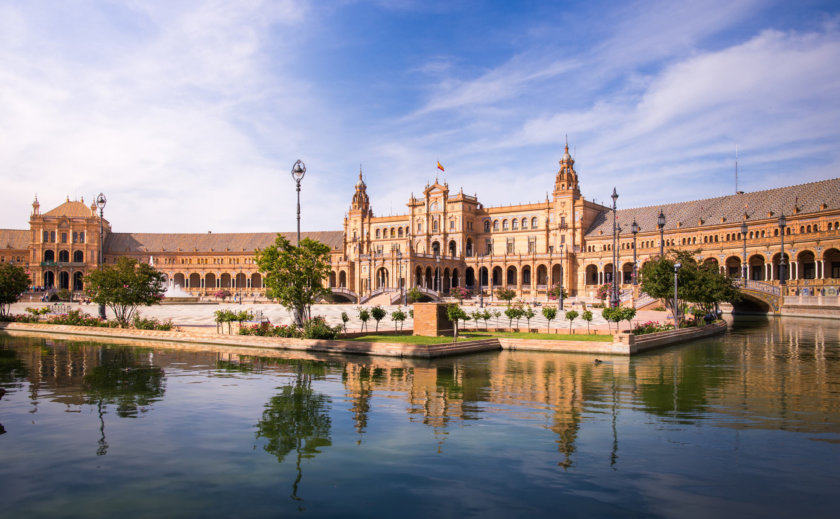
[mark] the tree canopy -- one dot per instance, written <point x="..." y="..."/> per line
<point x="124" y="286"/>
<point x="702" y="284"/>
<point x="294" y="274"/>
<point x="13" y="282"/>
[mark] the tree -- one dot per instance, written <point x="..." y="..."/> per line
<point x="497" y="314"/>
<point x="700" y="284"/>
<point x="550" y="313"/>
<point x="378" y="314"/>
<point x="607" y="313"/>
<point x="460" y="294"/>
<point x="414" y="295"/>
<point x="627" y="314"/>
<point x="554" y="292"/>
<point x="124" y="286"/>
<point x="571" y="315"/>
<point x="344" y="320"/>
<point x="505" y="295"/>
<point x="510" y="313"/>
<point x="398" y="316"/>
<point x="13" y="282"/>
<point x="455" y="313"/>
<point x="364" y="315"/>
<point x="294" y="273"/>
<point x="587" y="316"/>
<point x="529" y="314"/>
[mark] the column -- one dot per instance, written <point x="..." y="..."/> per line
<point x="821" y="264"/>
<point x="768" y="275"/>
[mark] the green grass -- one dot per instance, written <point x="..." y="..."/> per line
<point x="473" y="335"/>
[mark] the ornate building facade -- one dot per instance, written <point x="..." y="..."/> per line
<point x="450" y="239"/>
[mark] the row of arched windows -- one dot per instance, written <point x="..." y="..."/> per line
<point x="512" y="224"/>
<point x="64" y="256"/>
<point x="394" y="232"/>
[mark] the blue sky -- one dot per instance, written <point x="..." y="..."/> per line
<point x="189" y="115"/>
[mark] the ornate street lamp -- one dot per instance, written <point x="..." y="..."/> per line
<point x="560" y="296"/>
<point x="660" y="222"/>
<point x="614" y="292"/>
<point x="744" y="267"/>
<point x="100" y="203"/>
<point x="298" y="171"/>
<point x="635" y="230"/>
<point x="676" y="300"/>
<point x="782" y="266"/>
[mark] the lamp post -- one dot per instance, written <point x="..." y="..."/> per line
<point x="782" y="265"/>
<point x="676" y="301"/>
<point x="298" y="171"/>
<point x="560" y="295"/>
<point x="744" y="267"/>
<point x="100" y="203"/>
<point x="635" y="230"/>
<point x="614" y="291"/>
<point x="660" y="222"/>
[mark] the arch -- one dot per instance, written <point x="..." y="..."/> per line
<point x="256" y="280"/>
<point x="64" y="257"/>
<point x="505" y="225"/>
<point x="49" y="255"/>
<point x="514" y="224"/>
<point x="382" y="278"/>
<point x="63" y="280"/>
<point x="224" y="281"/>
<point x="510" y="276"/>
<point x="486" y="225"/>
<point x="831" y="263"/>
<point x="495" y="225"/>
<point x="399" y="232"/>
<point x="469" y="247"/>
<point x="434" y="225"/>
<point x="534" y="223"/>
<point x="497" y="276"/>
<point x="757" y="267"/>
<point x="483" y="277"/>
<point x="556" y="274"/>
<point x="733" y="267"/>
<point x="436" y="248"/>
<point x="524" y="223"/>
<point x="453" y="248"/>
<point x="194" y="280"/>
<point x="332" y="280"/>
<point x="78" y="257"/>
<point x="342" y="279"/>
<point x="469" y="277"/>
<point x="209" y="281"/>
<point x="393" y="232"/>
<point x="608" y="273"/>
<point x="240" y="280"/>
<point x="78" y="283"/>
<point x="418" y="276"/>
<point x="446" y="281"/>
<point x="627" y="273"/>
<point x="542" y="275"/>
<point x="806" y="265"/>
<point x="428" y="278"/>
<point x="776" y="271"/>
<point x="180" y="281"/>
<point x="49" y="279"/>
<point x="526" y="275"/>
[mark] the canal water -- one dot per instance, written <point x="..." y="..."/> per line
<point x="745" y="425"/>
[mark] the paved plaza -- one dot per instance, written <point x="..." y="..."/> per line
<point x="202" y="315"/>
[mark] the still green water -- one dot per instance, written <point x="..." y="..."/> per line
<point x="746" y="425"/>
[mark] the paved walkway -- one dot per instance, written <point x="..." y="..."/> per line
<point x="202" y="315"/>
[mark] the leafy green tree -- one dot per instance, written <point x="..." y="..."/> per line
<point x="505" y="295"/>
<point x="485" y="316"/>
<point x="607" y="314"/>
<point x="364" y="316"/>
<point x="627" y="314"/>
<point x="455" y="313"/>
<point x="529" y="314"/>
<point x="550" y="313"/>
<point x="344" y="320"/>
<point x="294" y="274"/>
<point x="497" y="314"/>
<point x="414" y="295"/>
<point x="378" y="313"/>
<point x="510" y="313"/>
<point x="398" y="316"/>
<point x="13" y="282"/>
<point x="124" y="286"/>
<point x="571" y="315"/>
<point x="477" y="315"/>
<point x="587" y="316"/>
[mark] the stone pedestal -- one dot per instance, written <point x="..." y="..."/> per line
<point x="430" y="320"/>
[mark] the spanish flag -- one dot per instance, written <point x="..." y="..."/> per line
<point x="440" y="167"/>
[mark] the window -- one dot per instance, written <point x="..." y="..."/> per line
<point x="486" y="225"/>
<point x="534" y="223"/>
<point x="562" y="221"/>
<point x="419" y="226"/>
<point x="400" y="232"/>
<point x="377" y="233"/>
<point x="64" y="237"/>
<point x="82" y="237"/>
<point x="495" y="225"/>
<point x="515" y="224"/>
<point x="46" y="237"/>
<point x="524" y="223"/>
<point x="511" y="245"/>
<point x="52" y="236"/>
<point x="505" y="225"/>
<point x="75" y="237"/>
<point x="451" y="224"/>
<point x="434" y="226"/>
<point x="489" y="244"/>
<point x="532" y="245"/>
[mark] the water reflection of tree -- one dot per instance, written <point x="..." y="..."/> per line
<point x="121" y="379"/>
<point x="297" y="419"/>
<point x="12" y="372"/>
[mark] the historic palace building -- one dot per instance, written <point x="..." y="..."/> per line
<point x="447" y="240"/>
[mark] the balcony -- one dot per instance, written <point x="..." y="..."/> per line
<point x="63" y="264"/>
